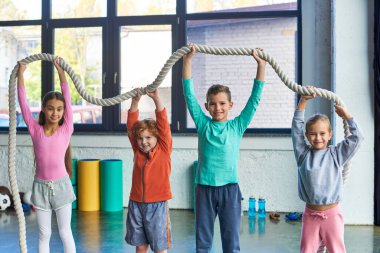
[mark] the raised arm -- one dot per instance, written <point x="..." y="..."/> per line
<point x="298" y="128"/>
<point x="26" y="114"/>
<point x="135" y="102"/>
<point x="68" y="116"/>
<point x="342" y="112"/>
<point x="347" y="148"/>
<point x="162" y="121"/>
<point x="156" y="99"/>
<point x="249" y="109"/>
<point x="303" y="101"/>
<point x="133" y="117"/>
<point x="61" y="72"/>
<point x="20" y="74"/>
<point x="261" y="63"/>
<point x="187" y="61"/>
<point x="188" y="89"/>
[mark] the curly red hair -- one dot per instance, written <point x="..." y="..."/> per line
<point x="142" y="125"/>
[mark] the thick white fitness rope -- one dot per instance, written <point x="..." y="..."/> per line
<point x="122" y="97"/>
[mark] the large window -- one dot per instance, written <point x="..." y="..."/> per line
<point x="78" y="8"/>
<point x="115" y="46"/>
<point x="16" y="43"/>
<point x="140" y="67"/>
<point x="144" y="8"/>
<point x="196" y="6"/>
<point x="20" y="9"/>
<point x="276" y="36"/>
<point x="86" y="61"/>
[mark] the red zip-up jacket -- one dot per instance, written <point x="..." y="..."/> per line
<point x="151" y="171"/>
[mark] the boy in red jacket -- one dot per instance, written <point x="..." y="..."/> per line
<point x="148" y="222"/>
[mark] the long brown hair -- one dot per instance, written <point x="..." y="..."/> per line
<point x="42" y="120"/>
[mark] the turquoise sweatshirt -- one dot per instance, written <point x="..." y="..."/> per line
<point x="219" y="142"/>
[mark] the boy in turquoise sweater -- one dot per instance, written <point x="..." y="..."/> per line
<point x="219" y="140"/>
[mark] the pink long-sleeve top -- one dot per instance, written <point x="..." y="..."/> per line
<point x="49" y="151"/>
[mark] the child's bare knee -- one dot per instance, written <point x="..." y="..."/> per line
<point x="142" y="248"/>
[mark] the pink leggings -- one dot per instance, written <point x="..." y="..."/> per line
<point x="326" y="226"/>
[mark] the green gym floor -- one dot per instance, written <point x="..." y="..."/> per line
<point x="101" y="232"/>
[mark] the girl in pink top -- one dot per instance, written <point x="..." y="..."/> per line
<point x="51" y="135"/>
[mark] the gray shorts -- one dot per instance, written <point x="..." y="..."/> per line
<point x="52" y="195"/>
<point x="149" y="223"/>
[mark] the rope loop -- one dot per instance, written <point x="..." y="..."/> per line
<point x="302" y="90"/>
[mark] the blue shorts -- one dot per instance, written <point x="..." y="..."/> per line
<point x="149" y="223"/>
<point x="52" y="195"/>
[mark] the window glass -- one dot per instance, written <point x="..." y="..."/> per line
<point x="87" y="116"/>
<point x="276" y="36"/>
<point x="20" y="9"/>
<point x="79" y="8"/>
<point x="16" y="43"/>
<point x="144" y="51"/>
<point x="4" y="120"/>
<point x="77" y="118"/>
<point x="144" y="46"/>
<point x="81" y="48"/>
<point x="194" y="6"/>
<point x="98" y="115"/>
<point x="138" y="7"/>
<point x="20" y="119"/>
